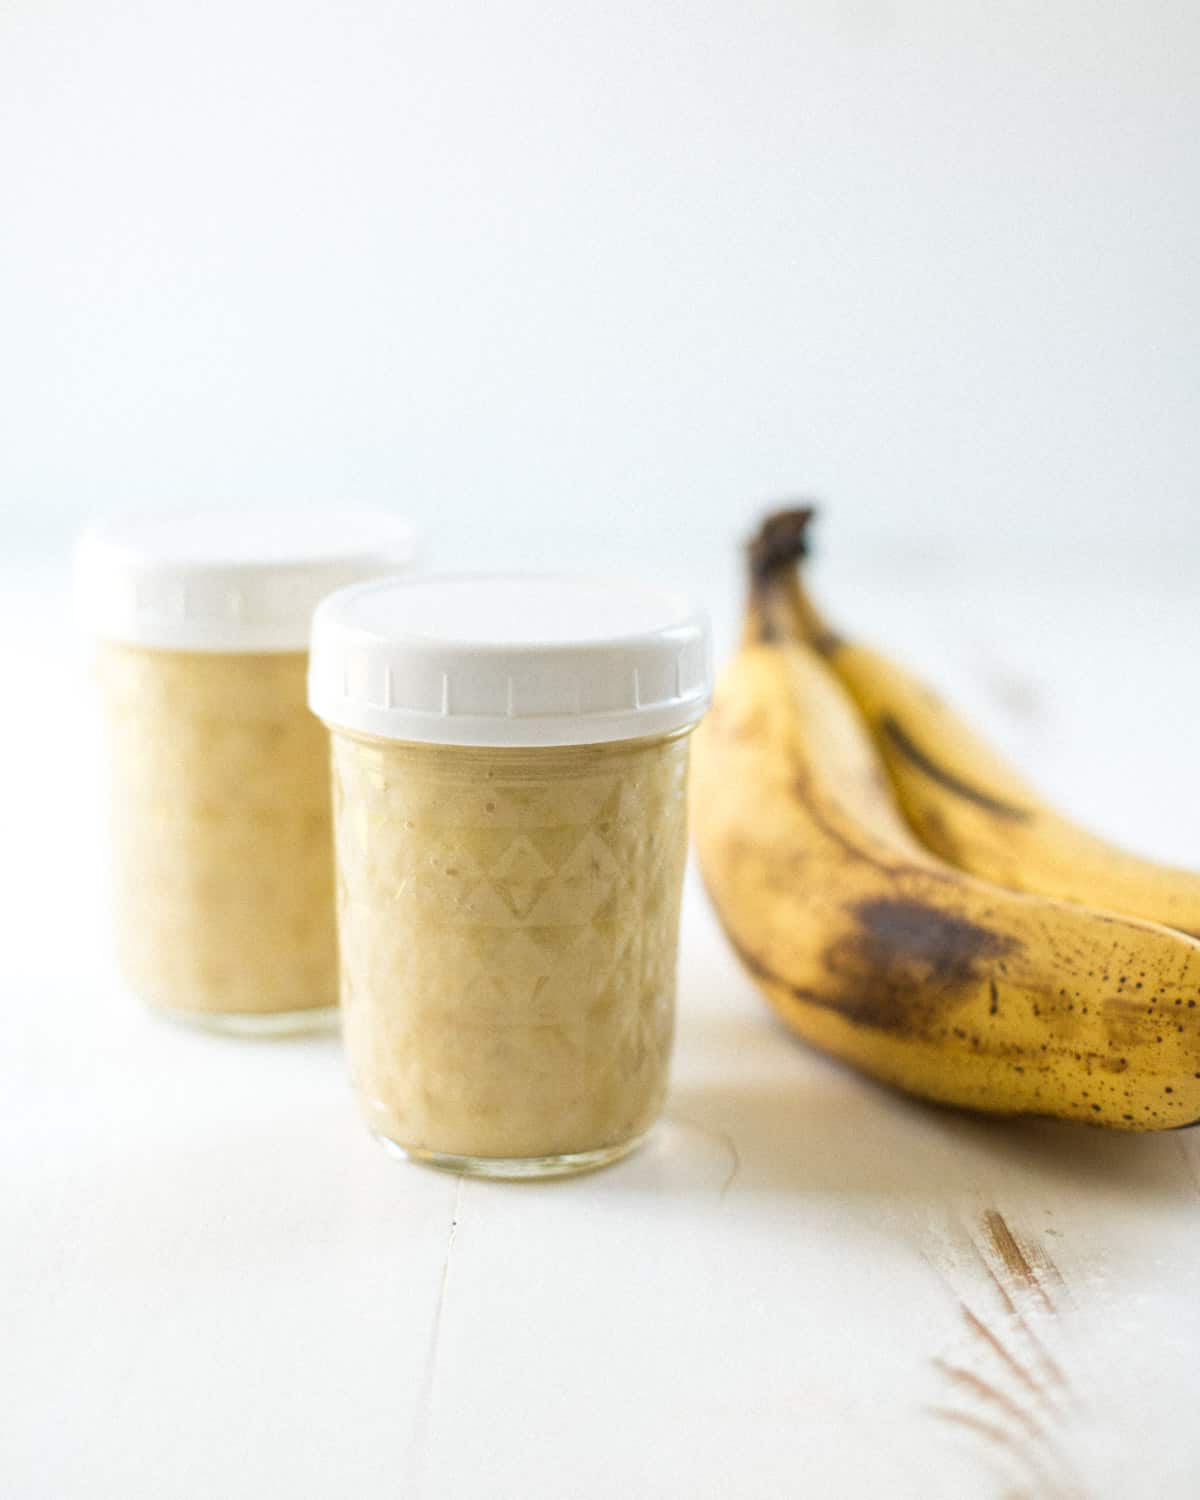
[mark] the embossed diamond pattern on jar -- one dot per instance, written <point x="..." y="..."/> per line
<point x="546" y="900"/>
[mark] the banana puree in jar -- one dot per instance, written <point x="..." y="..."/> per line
<point x="223" y="890"/>
<point x="509" y="771"/>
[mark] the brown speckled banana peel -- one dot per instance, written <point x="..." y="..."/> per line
<point x="921" y="975"/>
<point x="964" y="802"/>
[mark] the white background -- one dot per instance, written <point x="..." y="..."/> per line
<point x="610" y="275"/>
<point x="595" y="282"/>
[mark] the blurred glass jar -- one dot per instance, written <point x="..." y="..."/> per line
<point x="509" y="768"/>
<point x="220" y="810"/>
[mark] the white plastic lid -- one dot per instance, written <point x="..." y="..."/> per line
<point x="228" y="580"/>
<point x="516" y="659"/>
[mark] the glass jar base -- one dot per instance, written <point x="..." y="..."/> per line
<point x="516" y="1168"/>
<point x="278" y="1023"/>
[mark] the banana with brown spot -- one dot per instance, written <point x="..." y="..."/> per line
<point x="870" y="947"/>
<point x="963" y="801"/>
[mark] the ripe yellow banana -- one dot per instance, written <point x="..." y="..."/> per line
<point x="966" y="804"/>
<point x="873" y="949"/>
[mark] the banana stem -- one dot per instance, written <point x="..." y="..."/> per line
<point x="779" y="606"/>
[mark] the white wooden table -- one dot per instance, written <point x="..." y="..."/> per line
<point x="215" y="1284"/>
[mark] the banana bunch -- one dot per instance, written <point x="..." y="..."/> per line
<point x="908" y="905"/>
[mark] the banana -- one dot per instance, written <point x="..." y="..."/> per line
<point x="873" y="949"/>
<point x="966" y="804"/>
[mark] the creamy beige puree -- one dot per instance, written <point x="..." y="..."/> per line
<point x="223" y="883"/>
<point x="223" y="875"/>
<point x="509" y="923"/>
<point x="509" y="772"/>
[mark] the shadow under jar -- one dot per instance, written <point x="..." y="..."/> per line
<point x="509" y="771"/>
<point x="223" y="889"/>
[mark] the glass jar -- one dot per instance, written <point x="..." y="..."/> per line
<point x="509" y="772"/>
<point x="223" y="889"/>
